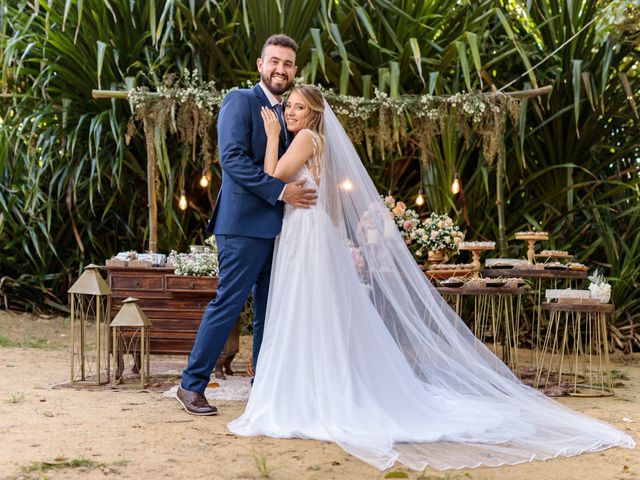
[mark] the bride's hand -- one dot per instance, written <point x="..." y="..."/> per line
<point x="271" y="124"/>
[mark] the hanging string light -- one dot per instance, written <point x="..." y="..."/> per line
<point x="204" y="181"/>
<point x="420" y="197"/>
<point x="455" y="186"/>
<point x="393" y="161"/>
<point x="206" y="171"/>
<point x="182" y="203"/>
<point x="347" y="185"/>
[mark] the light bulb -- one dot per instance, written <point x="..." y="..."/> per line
<point x="420" y="199"/>
<point x="347" y="185"/>
<point x="455" y="186"/>
<point x="183" y="202"/>
<point x="204" y="181"/>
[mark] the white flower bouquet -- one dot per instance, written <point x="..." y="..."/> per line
<point x="201" y="264"/>
<point x="437" y="232"/>
<point x="599" y="287"/>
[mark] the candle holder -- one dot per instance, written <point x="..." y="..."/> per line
<point x="131" y="339"/>
<point x="90" y="299"/>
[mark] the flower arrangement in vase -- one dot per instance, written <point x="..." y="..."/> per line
<point x="406" y="219"/>
<point x="599" y="287"/>
<point x="198" y="262"/>
<point x="438" y="234"/>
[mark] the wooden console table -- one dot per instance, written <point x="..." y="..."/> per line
<point x="174" y="304"/>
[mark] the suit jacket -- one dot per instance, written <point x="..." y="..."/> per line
<point x="247" y="204"/>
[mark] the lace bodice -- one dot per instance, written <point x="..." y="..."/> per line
<point x="292" y="229"/>
<point x="311" y="168"/>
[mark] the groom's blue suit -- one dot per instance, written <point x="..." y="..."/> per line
<point x="246" y="219"/>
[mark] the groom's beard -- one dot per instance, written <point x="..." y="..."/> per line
<point x="276" y="90"/>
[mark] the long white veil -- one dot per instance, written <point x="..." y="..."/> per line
<point x="441" y="351"/>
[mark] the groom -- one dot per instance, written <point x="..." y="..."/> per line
<point x="247" y="216"/>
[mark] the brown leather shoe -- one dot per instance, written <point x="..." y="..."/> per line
<point x="195" y="403"/>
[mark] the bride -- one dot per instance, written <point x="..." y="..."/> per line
<point x="360" y="349"/>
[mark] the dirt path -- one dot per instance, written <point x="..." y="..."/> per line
<point x="129" y="434"/>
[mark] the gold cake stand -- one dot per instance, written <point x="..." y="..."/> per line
<point x="531" y="238"/>
<point x="476" y="251"/>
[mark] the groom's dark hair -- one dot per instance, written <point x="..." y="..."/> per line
<point x="281" y="40"/>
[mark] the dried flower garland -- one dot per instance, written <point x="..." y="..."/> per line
<point x="189" y="107"/>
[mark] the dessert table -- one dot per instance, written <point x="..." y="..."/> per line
<point x="542" y="278"/>
<point x="576" y="347"/>
<point x="496" y="317"/>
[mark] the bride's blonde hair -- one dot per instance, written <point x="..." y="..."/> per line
<point x="313" y="96"/>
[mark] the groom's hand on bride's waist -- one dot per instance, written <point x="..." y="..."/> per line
<point x="296" y="195"/>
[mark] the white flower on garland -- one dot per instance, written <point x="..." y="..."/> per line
<point x="599" y="287"/>
<point x="614" y="16"/>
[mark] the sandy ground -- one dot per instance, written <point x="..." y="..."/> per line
<point x="133" y="434"/>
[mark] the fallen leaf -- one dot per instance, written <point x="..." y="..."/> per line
<point x="396" y="475"/>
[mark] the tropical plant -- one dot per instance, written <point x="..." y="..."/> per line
<point x="72" y="191"/>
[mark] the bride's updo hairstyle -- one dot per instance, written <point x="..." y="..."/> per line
<point x="313" y="96"/>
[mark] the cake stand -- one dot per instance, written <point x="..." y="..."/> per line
<point x="476" y="248"/>
<point x="531" y="239"/>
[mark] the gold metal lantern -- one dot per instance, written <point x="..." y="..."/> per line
<point x="90" y="299"/>
<point x="130" y="330"/>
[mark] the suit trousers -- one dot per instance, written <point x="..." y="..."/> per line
<point x="244" y="267"/>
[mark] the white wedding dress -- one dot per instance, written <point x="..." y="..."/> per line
<point x="373" y="358"/>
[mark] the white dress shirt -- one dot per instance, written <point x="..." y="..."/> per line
<point x="273" y="101"/>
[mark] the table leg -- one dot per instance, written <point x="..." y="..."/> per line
<point x="583" y="350"/>
<point x="494" y="311"/>
<point x="602" y="323"/>
<point x="597" y="371"/>
<point x="563" y="348"/>
<point x="536" y="331"/>
<point x="510" y="342"/>
<point x="550" y="346"/>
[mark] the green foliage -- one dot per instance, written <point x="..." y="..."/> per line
<point x="261" y="464"/>
<point x="397" y="475"/>
<point x="73" y="192"/>
<point x="17" y="397"/>
<point x="61" y="463"/>
<point x="7" y="342"/>
<point x="32" y="343"/>
<point x="79" y="467"/>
